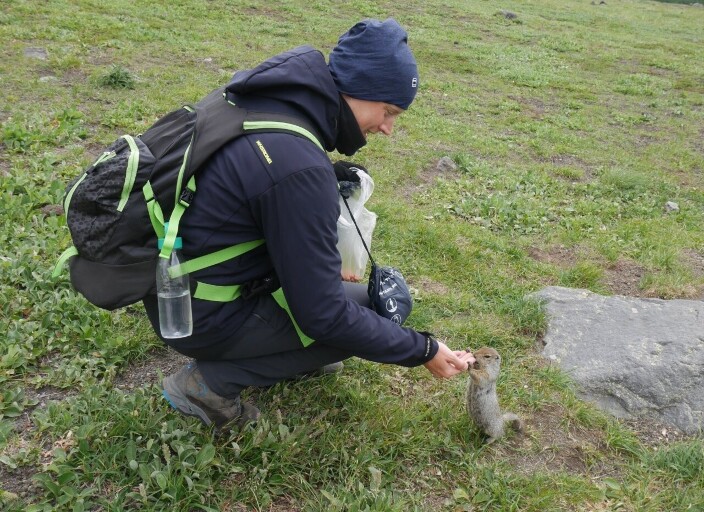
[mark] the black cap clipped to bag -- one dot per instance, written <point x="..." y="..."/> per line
<point x="389" y="294"/>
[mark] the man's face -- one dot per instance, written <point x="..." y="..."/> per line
<point x="374" y="116"/>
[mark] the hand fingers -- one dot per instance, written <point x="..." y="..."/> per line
<point x="448" y="363"/>
<point x="468" y="357"/>
<point x="458" y="363"/>
<point x="453" y="367"/>
<point x="445" y="371"/>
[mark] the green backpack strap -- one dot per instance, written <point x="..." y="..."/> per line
<point x="155" y="214"/>
<point x="65" y="256"/>
<point x="228" y="293"/>
<point x="274" y="126"/>
<point x="214" y="258"/>
<point x="179" y="209"/>
<point x="216" y="293"/>
<point x="281" y="301"/>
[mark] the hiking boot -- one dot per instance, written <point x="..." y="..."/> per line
<point x="187" y="392"/>
<point x="328" y="369"/>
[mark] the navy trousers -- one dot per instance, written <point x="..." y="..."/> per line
<point x="264" y="351"/>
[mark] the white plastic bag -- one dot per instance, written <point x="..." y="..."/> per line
<point x="354" y="256"/>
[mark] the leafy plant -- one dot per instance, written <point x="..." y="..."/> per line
<point x="118" y="78"/>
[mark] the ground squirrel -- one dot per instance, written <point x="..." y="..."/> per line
<point x="482" y="402"/>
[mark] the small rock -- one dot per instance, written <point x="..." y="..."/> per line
<point x="52" y="210"/>
<point x="445" y="164"/>
<point x="671" y="206"/>
<point x="509" y="15"/>
<point x="48" y="78"/>
<point x="208" y="60"/>
<point x="35" y="53"/>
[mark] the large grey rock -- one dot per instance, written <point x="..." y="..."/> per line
<point x="632" y="357"/>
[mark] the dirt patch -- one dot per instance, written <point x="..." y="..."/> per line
<point x="5" y="169"/>
<point x="149" y="372"/>
<point x="553" y="444"/>
<point x="427" y="177"/>
<point x="434" y="502"/>
<point x="654" y="434"/>
<point x="558" y="255"/>
<point x="622" y="277"/>
<point x="162" y="363"/>
<point x="46" y="394"/>
<point x="18" y="481"/>
<point x="643" y="141"/>
<point x="264" y="11"/>
<point x="427" y="285"/>
<point x="561" y="161"/>
<point x="70" y="77"/>
<point x="695" y="260"/>
<point x="534" y="107"/>
<point x="278" y="504"/>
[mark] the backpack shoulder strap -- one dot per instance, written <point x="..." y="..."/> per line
<point x="219" y="120"/>
<point x="264" y="122"/>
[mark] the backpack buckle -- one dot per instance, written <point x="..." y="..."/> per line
<point x="186" y="197"/>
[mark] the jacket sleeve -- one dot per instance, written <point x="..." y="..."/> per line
<point x="298" y="216"/>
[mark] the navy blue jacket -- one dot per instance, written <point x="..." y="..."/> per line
<point x="282" y="188"/>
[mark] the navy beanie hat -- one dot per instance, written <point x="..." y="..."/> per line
<point x="372" y="61"/>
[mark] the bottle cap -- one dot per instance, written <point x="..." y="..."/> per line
<point x="178" y="243"/>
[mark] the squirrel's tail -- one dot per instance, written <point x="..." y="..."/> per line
<point x="513" y="420"/>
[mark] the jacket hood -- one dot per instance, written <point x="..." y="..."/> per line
<point x="295" y="82"/>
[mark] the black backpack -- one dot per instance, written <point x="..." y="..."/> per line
<point x="118" y="207"/>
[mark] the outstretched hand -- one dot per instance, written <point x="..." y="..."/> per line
<point x="448" y="363"/>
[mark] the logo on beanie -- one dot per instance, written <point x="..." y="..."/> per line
<point x="414" y="83"/>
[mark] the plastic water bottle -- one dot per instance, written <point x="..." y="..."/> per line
<point x="174" y="296"/>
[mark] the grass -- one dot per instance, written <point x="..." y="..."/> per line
<point x="571" y="125"/>
<point x="118" y="77"/>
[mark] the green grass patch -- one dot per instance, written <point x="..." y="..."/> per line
<point x="118" y="78"/>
